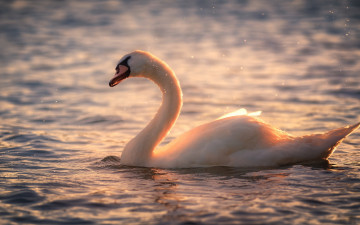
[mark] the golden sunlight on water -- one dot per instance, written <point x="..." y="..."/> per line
<point x="63" y="130"/>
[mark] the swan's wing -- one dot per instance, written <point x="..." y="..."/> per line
<point x="214" y="143"/>
<point x="257" y="113"/>
<point x="240" y="112"/>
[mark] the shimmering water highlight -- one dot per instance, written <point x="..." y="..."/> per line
<point x="296" y="61"/>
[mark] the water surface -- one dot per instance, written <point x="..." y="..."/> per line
<point x="296" y="61"/>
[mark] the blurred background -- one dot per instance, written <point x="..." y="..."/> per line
<point x="296" y="61"/>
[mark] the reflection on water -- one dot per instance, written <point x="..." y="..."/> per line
<point x="296" y="61"/>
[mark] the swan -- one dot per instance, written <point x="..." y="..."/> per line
<point x="239" y="140"/>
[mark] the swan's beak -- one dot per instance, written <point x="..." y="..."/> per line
<point x="122" y="72"/>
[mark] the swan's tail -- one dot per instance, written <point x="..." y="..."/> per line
<point x="326" y="143"/>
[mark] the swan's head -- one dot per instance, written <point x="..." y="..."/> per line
<point x="134" y="64"/>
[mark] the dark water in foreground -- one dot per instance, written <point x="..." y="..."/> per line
<point x="296" y="61"/>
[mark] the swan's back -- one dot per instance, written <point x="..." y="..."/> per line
<point x="245" y="141"/>
<point x="215" y="143"/>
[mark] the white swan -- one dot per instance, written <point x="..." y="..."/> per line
<point x="239" y="141"/>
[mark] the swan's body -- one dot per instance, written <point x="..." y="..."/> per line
<point x="241" y="141"/>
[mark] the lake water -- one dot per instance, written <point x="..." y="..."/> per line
<point x="296" y="61"/>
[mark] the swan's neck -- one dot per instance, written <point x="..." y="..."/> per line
<point x="139" y="150"/>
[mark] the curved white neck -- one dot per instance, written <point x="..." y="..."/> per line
<point x="139" y="150"/>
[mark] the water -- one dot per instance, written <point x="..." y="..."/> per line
<point x="296" y="61"/>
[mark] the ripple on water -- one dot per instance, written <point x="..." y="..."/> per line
<point x="297" y="61"/>
<point x="100" y="120"/>
<point x="30" y="138"/>
<point x="20" y="197"/>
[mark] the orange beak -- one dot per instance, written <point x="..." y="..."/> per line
<point x="122" y="72"/>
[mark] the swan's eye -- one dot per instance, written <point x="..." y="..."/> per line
<point x="123" y="63"/>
